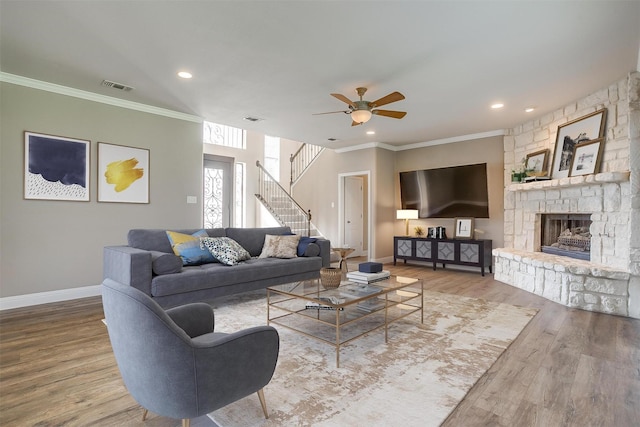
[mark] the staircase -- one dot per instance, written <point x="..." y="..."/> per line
<point x="301" y="160"/>
<point x="279" y="202"/>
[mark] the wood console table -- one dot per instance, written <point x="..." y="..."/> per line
<point x="474" y="253"/>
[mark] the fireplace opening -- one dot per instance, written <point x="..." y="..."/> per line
<point x="566" y="235"/>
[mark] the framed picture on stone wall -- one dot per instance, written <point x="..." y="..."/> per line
<point x="537" y="162"/>
<point x="586" y="128"/>
<point x="586" y="157"/>
<point x="56" y="167"/>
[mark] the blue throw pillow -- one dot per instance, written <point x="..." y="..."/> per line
<point x="188" y="247"/>
<point x="303" y="243"/>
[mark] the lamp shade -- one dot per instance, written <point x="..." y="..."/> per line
<point x="407" y="214"/>
<point x="361" y="116"/>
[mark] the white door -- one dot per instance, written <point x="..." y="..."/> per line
<point x="218" y="188"/>
<point x="353" y="214"/>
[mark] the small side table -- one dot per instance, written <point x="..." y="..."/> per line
<point x="344" y="253"/>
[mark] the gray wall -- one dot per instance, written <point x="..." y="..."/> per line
<point x="55" y="245"/>
<point x="318" y="191"/>
<point x="486" y="150"/>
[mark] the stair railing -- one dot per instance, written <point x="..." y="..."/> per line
<point x="280" y="203"/>
<point x="301" y="159"/>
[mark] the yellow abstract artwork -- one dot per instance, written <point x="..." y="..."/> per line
<point x="123" y="173"/>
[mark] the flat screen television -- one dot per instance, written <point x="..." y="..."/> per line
<point x="458" y="191"/>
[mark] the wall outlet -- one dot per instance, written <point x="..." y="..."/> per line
<point x="192" y="199"/>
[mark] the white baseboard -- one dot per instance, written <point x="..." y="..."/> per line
<point x="18" y="301"/>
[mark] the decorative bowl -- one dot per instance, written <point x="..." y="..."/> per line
<point x="330" y="277"/>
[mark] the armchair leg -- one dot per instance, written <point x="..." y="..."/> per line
<point x="144" y="414"/>
<point x="186" y="422"/>
<point x="263" y="403"/>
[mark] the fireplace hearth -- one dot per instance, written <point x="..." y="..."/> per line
<point x="567" y="235"/>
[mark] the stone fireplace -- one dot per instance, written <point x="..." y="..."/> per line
<point x="566" y="235"/>
<point x="608" y="280"/>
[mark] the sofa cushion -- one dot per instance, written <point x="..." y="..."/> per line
<point x="252" y="239"/>
<point x="187" y="247"/>
<point x="155" y="239"/>
<point x="283" y="246"/>
<point x="207" y="276"/>
<point x="225" y="250"/>
<point x="163" y="263"/>
<point x="312" y="250"/>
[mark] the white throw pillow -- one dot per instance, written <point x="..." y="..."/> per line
<point x="280" y="246"/>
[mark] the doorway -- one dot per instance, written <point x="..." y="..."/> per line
<point x="218" y="190"/>
<point x="354" y="212"/>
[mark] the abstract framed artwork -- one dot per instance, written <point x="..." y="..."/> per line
<point x="586" y="157"/>
<point x="464" y="228"/>
<point x="56" y="167"/>
<point x="123" y="174"/>
<point x="572" y="133"/>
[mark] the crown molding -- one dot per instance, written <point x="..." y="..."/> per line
<point x="451" y="140"/>
<point x="90" y="96"/>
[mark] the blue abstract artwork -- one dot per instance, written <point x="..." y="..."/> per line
<point x="56" y="168"/>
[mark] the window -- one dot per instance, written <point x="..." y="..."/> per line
<point x="226" y="136"/>
<point x="272" y="156"/>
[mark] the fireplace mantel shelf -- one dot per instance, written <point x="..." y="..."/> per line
<point x="574" y="181"/>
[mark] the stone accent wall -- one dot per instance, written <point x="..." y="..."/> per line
<point x="612" y="197"/>
<point x="567" y="281"/>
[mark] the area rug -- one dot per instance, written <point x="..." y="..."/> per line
<point x="416" y="379"/>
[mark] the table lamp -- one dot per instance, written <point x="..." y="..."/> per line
<point x="407" y="214"/>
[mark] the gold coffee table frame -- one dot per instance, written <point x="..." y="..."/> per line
<point x="356" y="313"/>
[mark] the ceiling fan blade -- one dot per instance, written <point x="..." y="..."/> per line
<point x="343" y="99"/>
<point x="332" y="112"/>
<point x="392" y="97"/>
<point x="390" y="113"/>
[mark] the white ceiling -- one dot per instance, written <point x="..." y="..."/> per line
<point x="280" y="60"/>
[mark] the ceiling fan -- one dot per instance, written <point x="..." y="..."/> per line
<point x="361" y="111"/>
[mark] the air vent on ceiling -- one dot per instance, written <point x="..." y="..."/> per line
<point x="115" y="85"/>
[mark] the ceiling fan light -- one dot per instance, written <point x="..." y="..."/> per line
<point x="361" y="116"/>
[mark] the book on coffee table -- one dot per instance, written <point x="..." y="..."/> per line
<point x="360" y="277"/>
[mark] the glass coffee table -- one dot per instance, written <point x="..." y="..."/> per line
<point x="341" y="315"/>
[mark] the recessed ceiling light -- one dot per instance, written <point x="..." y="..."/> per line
<point x="252" y="119"/>
<point x="185" y="74"/>
<point x="528" y="110"/>
<point x="498" y="105"/>
<point x="371" y="132"/>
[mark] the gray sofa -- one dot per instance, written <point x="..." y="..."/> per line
<point x="143" y="262"/>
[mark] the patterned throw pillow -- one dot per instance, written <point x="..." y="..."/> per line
<point x="285" y="246"/>
<point x="188" y="247"/>
<point x="225" y="249"/>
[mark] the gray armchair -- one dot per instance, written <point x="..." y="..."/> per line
<point x="172" y="362"/>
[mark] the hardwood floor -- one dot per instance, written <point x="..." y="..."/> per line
<point x="567" y="368"/>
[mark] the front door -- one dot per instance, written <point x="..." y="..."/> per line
<point x="218" y="188"/>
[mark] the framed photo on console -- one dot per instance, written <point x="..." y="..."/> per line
<point x="463" y="228"/>
<point x="570" y="134"/>
<point x="586" y="157"/>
